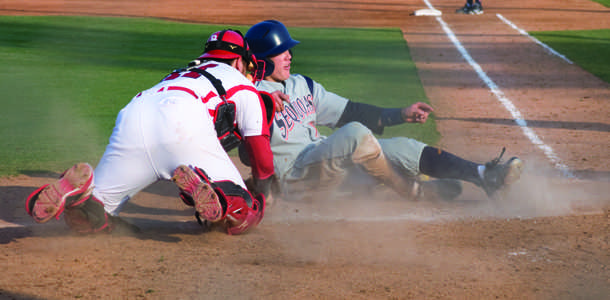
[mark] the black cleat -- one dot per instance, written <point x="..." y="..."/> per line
<point x="497" y="176"/>
<point x="474" y="9"/>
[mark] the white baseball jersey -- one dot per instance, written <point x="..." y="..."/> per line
<point x="172" y="124"/>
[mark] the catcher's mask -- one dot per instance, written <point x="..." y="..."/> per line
<point x="267" y="39"/>
<point x="231" y="44"/>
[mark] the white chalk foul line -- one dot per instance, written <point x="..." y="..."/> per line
<point x="361" y="219"/>
<point x="517" y="117"/>
<point x="5" y="224"/>
<point x="523" y="32"/>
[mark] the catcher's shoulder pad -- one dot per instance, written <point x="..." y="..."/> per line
<point x="269" y="107"/>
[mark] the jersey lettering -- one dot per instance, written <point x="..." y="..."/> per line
<point x="281" y="125"/>
<point x="209" y="96"/>
<point x="171" y="76"/>
<point x="190" y="74"/>
<point x="291" y="113"/>
<point x="295" y="112"/>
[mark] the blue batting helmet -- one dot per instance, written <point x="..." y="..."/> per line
<point x="269" y="38"/>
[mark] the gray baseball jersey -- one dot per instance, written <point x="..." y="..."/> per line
<point x="295" y="127"/>
<point x="294" y="132"/>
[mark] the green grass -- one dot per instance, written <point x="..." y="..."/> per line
<point x="364" y="65"/>
<point x="64" y="79"/>
<point x="605" y="3"/>
<point x="590" y="49"/>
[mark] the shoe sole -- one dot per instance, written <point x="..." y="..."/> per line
<point x="50" y="200"/>
<point x="515" y="168"/>
<point x="207" y="203"/>
<point x="443" y="189"/>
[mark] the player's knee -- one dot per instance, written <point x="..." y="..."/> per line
<point x="357" y="130"/>
<point x="360" y="136"/>
<point x="367" y="147"/>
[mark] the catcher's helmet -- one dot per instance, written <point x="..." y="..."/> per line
<point x="230" y="44"/>
<point x="269" y="38"/>
<point x="226" y="44"/>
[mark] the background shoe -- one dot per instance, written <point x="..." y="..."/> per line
<point x="477" y="9"/>
<point x="464" y="10"/>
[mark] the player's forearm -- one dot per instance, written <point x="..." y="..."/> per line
<point x="366" y="114"/>
<point x="391" y="117"/>
<point x="371" y="116"/>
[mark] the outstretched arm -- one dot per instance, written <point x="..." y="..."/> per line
<point x="376" y="118"/>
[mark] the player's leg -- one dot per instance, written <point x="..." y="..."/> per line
<point x="221" y="202"/>
<point x="124" y="169"/>
<point x="325" y="165"/>
<point x="404" y="156"/>
<point x="491" y="176"/>
<point x="221" y="199"/>
<point x="89" y="216"/>
<point x="196" y="190"/>
<point x="71" y="194"/>
<point x="209" y="181"/>
<point x="121" y="173"/>
<point x="411" y="158"/>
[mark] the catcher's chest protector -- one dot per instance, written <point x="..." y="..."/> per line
<point x="224" y="123"/>
<point x="224" y="113"/>
<point x="224" y="117"/>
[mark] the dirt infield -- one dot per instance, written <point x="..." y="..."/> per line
<point x="549" y="238"/>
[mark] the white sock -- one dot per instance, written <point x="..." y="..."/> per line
<point x="481" y="170"/>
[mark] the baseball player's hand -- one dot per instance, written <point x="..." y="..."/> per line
<point x="278" y="99"/>
<point x="417" y="112"/>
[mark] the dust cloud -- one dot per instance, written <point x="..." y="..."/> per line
<point x="359" y="214"/>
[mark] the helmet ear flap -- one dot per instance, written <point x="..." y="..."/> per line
<point x="269" y="66"/>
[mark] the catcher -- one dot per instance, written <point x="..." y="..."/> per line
<point x="177" y="130"/>
<point x="305" y="161"/>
